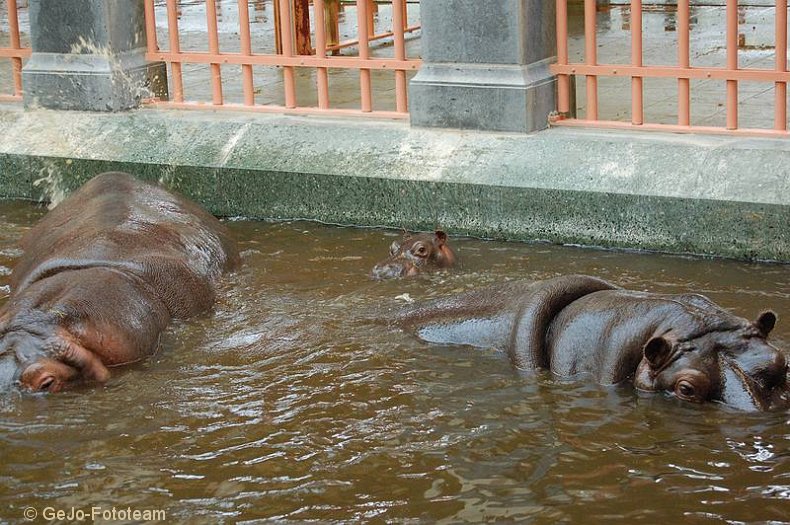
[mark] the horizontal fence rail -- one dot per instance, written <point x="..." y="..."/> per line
<point x="14" y="51"/>
<point x="306" y="43"/>
<point x="730" y="72"/>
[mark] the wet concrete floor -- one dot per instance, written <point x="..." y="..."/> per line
<point x="756" y="25"/>
<point x="287" y="403"/>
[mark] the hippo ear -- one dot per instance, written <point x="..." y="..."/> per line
<point x="657" y="351"/>
<point x="441" y="237"/>
<point x="765" y="322"/>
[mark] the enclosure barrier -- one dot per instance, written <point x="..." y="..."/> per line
<point x="15" y="52"/>
<point x="293" y="51"/>
<point x="683" y="72"/>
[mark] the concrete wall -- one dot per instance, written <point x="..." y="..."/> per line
<point x="673" y="193"/>
<point x="485" y="69"/>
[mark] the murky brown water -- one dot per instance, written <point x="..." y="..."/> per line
<point x="287" y="404"/>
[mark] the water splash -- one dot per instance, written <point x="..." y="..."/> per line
<point x="51" y="179"/>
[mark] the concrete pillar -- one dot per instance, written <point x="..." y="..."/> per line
<point x="485" y="65"/>
<point x="89" y="55"/>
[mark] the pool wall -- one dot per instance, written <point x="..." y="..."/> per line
<point x="705" y="195"/>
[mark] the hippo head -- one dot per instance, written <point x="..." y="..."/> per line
<point x="414" y="254"/>
<point x="735" y="366"/>
<point x="46" y="360"/>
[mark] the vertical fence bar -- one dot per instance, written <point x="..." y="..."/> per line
<point x="213" y="46"/>
<point x="175" y="48"/>
<point x="246" y="50"/>
<point x="591" y="58"/>
<point x="364" y="54"/>
<point x="732" y="63"/>
<point x="16" y="62"/>
<point x="332" y="25"/>
<point x="371" y="23"/>
<point x="563" y="81"/>
<point x="684" y="84"/>
<point x="286" y="30"/>
<point x="637" y="106"/>
<point x="150" y="26"/>
<point x="322" y="74"/>
<point x="398" y="23"/>
<point x="780" y="110"/>
<point x="278" y="35"/>
<point x="405" y="14"/>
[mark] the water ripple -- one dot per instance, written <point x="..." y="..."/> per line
<point x="293" y="401"/>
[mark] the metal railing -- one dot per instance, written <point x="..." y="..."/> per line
<point x="15" y="52"/>
<point x="294" y="51"/>
<point x="683" y="72"/>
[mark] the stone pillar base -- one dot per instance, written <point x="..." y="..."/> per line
<point x="491" y="97"/>
<point x="92" y="82"/>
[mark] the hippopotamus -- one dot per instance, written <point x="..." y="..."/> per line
<point x="101" y="276"/>
<point x="577" y="325"/>
<point x="414" y="254"/>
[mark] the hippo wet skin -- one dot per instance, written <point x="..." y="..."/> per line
<point x="101" y="276"/>
<point x="684" y="345"/>
<point x="415" y="254"/>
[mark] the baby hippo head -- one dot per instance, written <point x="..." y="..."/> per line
<point x="414" y="254"/>
<point x="46" y="362"/>
<point x="737" y="367"/>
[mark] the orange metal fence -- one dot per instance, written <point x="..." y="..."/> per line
<point x="730" y="73"/>
<point x="292" y="54"/>
<point x="15" y="52"/>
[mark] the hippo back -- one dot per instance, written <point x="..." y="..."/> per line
<point x="512" y="317"/>
<point x="117" y="221"/>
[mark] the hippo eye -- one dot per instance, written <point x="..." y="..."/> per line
<point x="685" y="390"/>
<point x="46" y="384"/>
<point x="421" y="250"/>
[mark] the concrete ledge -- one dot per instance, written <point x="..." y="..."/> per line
<point x="674" y="193"/>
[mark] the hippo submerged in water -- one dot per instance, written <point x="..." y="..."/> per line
<point x="102" y="275"/>
<point x="681" y="344"/>
<point x="414" y="254"/>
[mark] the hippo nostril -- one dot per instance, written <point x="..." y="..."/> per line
<point x="774" y="376"/>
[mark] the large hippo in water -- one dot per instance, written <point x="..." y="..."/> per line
<point x="415" y="254"/>
<point x="681" y="344"/>
<point x="102" y="275"/>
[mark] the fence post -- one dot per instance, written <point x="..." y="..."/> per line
<point x="90" y="55"/>
<point x="485" y="65"/>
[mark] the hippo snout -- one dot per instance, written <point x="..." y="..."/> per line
<point x="774" y="375"/>
<point x="8" y="372"/>
<point x="767" y="367"/>
<point x="756" y="380"/>
<point x="392" y="270"/>
<point x="778" y="383"/>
